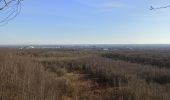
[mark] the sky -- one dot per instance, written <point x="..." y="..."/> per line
<point x="88" y="22"/>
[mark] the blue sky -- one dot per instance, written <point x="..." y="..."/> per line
<point x="89" y="22"/>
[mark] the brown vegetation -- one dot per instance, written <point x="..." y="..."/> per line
<point x="22" y="78"/>
<point x="124" y="80"/>
<point x="78" y="75"/>
<point x="155" y="58"/>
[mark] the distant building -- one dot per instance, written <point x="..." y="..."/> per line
<point x="27" y="47"/>
<point x="58" y="47"/>
<point x="105" y="49"/>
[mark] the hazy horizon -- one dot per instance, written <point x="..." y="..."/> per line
<point x="88" y="44"/>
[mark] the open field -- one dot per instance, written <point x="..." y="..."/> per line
<point x="56" y="74"/>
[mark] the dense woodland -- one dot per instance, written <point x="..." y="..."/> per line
<point x="155" y="58"/>
<point x="55" y="74"/>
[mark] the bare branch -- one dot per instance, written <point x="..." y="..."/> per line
<point x="9" y="9"/>
<point x="154" y="8"/>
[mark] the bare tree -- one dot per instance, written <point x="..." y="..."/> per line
<point x="162" y="7"/>
<point x="9" y="9"/>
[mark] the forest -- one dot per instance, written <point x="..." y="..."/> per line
<point x="67" y="74"/>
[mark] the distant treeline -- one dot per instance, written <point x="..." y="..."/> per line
<point x="145" y="59"/>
